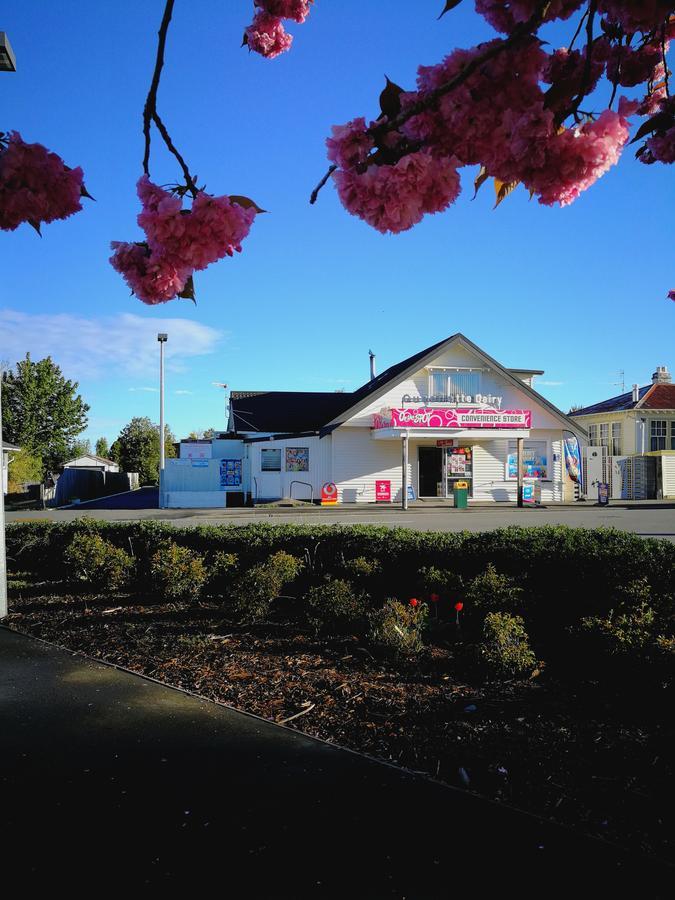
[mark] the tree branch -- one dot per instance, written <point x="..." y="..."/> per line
<point x="429" y="100"/>
<point x="150" y="113"/>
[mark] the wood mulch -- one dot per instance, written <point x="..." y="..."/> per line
<point x="576" y="754"/>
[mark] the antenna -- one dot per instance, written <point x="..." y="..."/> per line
<point x="622" y="381"/>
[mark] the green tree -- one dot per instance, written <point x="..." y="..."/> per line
<point x="24" y="468"/>
<point x="102" y="448"/>
<point x="80" y="448"/>
<point x="202" y="434"/>
<point x="42" y="411"/>
<point x="137" y="448"/>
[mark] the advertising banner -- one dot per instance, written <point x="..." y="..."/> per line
<point x="438" y="417"/>
<point x="572" y="458"/>
<point x="230" y="473"/>
<point x="383" y="491"/>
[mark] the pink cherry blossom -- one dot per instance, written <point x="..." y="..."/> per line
<point x="577" y="157"/>
<point x="635" y="15"/>
<point x="671" y="295"/>
<point x="394" y="198"/>
<point x="350" y="144"/>
<point x="266" y="35"/>
<point x="660" y="147"/>
<point x="35" y="185"/>
<point x="629" y="67"/>
<point x="505" y="16"/>
<point x="151" y="276"/>
<point x="298" y="10"/>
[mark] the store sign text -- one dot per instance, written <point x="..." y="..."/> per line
<point x="490" y="400"/>
<point x="433" y="417"/>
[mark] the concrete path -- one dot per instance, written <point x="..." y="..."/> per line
<point x="648" y="519"/>
<point x="111" y="781"/>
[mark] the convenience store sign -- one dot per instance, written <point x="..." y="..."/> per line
<point x="433" y="417"/>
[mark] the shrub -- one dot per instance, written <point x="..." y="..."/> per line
<point x="625" y="631"/>
<point x="97" y="562"/>
<point x="505" y="649"/>
<point x="399" y="627"/>
<point x="177" y="573"/>
<point x="362" y="569"/>
<point x="491" y="591"/>
<point x="252" y="593"/>
<point x="222" y="570"/>
<point x="336" y="607"/>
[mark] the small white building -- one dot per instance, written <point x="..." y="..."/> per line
<point x="7" y="451"/>
<point x="446" y="414"/>
<point x="93" y="463"/>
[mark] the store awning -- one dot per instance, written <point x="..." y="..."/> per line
<point x="463" y="434"/>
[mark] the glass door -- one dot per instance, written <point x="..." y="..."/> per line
<point x="458" y="466"/>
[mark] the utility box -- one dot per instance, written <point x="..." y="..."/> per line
<point x="461" y="492"/>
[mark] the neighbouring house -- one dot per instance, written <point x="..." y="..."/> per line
<point x="7" y="450"/>
<point x="448" y="414"/>
<point x="634" y="437"/>
<point x="93" y="463"/>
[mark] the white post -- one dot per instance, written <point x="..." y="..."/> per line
<point x="162" y="340"/>
<point x="519" y="462"/>
<point x="3" y="557"/>
<point x="404" y="465"/>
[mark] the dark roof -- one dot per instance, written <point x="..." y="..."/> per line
<point x="614" y="404"/>
<point x="285" y="411"/>
<point x="661" y="396"/>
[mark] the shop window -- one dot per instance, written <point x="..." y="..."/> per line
<point x="593" y="435"/>
<point x="535" y="460"/>
<point x="446" y="385"/>
<point x="270" y="460"/>
<point x="616" y="439"/>
<point x="658" y="434"/>
<point x="297" y="459"/>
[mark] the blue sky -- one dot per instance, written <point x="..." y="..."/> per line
<point x="579" y="292"/>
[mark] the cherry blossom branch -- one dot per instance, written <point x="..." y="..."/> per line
<point x="150" y="113"/>
<point x="523" y="30"/>
<point x="665" y="63"/>
<point x="586" y="76"/>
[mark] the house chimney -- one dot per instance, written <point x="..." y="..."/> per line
<point x="661" y="376"/>
<point x="636" y="393"/>
<point x="372" y="364"/>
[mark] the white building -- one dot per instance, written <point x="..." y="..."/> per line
<point x="448" y="413"/>
<point x="93" y="463"/>
<point x="5" y="458"/>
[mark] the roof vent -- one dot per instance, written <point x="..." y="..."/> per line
<point x="636" y="393"/>
<point x="661" y="376"/>
<point x="372" y="365"/>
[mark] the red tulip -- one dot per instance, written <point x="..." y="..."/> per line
<point x="413" y="602"/>
<point x="434" y="598"/>
<point x="459" y="606"/>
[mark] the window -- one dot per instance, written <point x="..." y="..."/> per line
<point x="604" y="434"/>
<point x="446" y="384"/>
<point x="297" y="459"/>
<point x="616" y="439"/>
<point x="658" y="434"/>
<point x="535" y="460"/>
<point x="270" y="460"/>
<point x="672" y="435"/>
<point x="593" y="435"/>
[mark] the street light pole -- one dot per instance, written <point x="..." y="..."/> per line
<point x="162" y="338"/>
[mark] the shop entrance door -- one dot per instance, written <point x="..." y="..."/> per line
<point x="430" y="471"/>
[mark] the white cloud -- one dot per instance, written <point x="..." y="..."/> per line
<point x="149" y="390"/>
<point x="183" y="392"/>
<point x="120" y="345"/>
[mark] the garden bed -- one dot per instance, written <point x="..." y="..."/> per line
<point x="585" y="754"/>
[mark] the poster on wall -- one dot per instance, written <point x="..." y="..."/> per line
<point x="230" y="473"/>
<point x="297" y="459"/>
<point x="383" y="491"/>
<point x="457" y="464"/>
<point x="534" y="463"/>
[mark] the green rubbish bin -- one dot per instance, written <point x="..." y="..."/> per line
<point x="461" y="494"/>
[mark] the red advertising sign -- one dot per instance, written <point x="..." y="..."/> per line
<point x="443" y="417"/>
<point x="329" y="494"/>
<point x="447" y="442"/>
<point x="383" y="491"/>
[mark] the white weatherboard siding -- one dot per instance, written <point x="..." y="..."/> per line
<point x="359" y="461"/>
<point x="668" y="473"/>
<point x="489" y="469"/>
<point x="283" y="484"/>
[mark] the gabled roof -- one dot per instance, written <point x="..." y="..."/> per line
<point x="615" y="404"/>
<point x="101" y="459"/>
<point x="288" y="412"/>
<point x="419" y="360"/>
<point x="659" y="396"/>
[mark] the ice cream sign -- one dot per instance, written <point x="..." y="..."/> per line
<point x="432" y="417"/>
